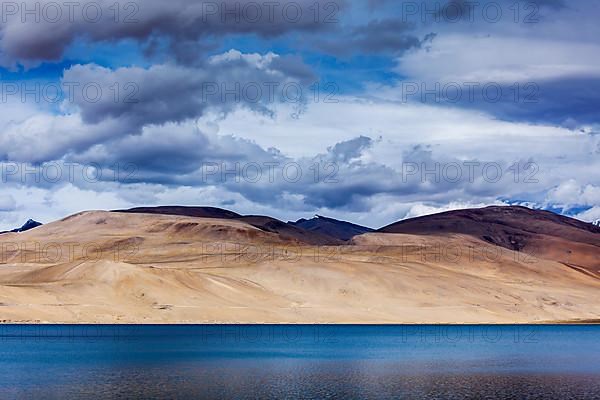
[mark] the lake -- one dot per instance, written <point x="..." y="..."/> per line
<point x="299" y="361"/>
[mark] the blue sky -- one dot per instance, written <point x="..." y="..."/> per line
<point x="367" y="111"/>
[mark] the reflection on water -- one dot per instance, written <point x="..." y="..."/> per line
<point x="194" y="362"/>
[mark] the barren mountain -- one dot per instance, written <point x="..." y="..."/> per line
<point x="331" y="227"/>
<point x="267" y="224"/>
<point x="534" y="232"/>
<point x="117" y="267"/>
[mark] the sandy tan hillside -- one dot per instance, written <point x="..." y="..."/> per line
<point x="145" y="268"/>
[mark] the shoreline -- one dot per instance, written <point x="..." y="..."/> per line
<point x="333" y="324"/>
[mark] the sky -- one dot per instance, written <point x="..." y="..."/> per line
<point x="368" y="111"/>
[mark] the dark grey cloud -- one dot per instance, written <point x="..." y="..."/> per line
<point x="570" y="101"/>
<point x="390" y="35"/>
<point x="171" y="93"/>
<point x="387" y="36"/>
<point x="45" y="35"/>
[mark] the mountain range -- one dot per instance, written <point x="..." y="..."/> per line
<point x="208" y="265"/>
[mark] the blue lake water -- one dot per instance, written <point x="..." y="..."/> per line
<point x="312" y="362"/>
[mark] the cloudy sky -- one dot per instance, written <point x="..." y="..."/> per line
<point x="369" y="111"/>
